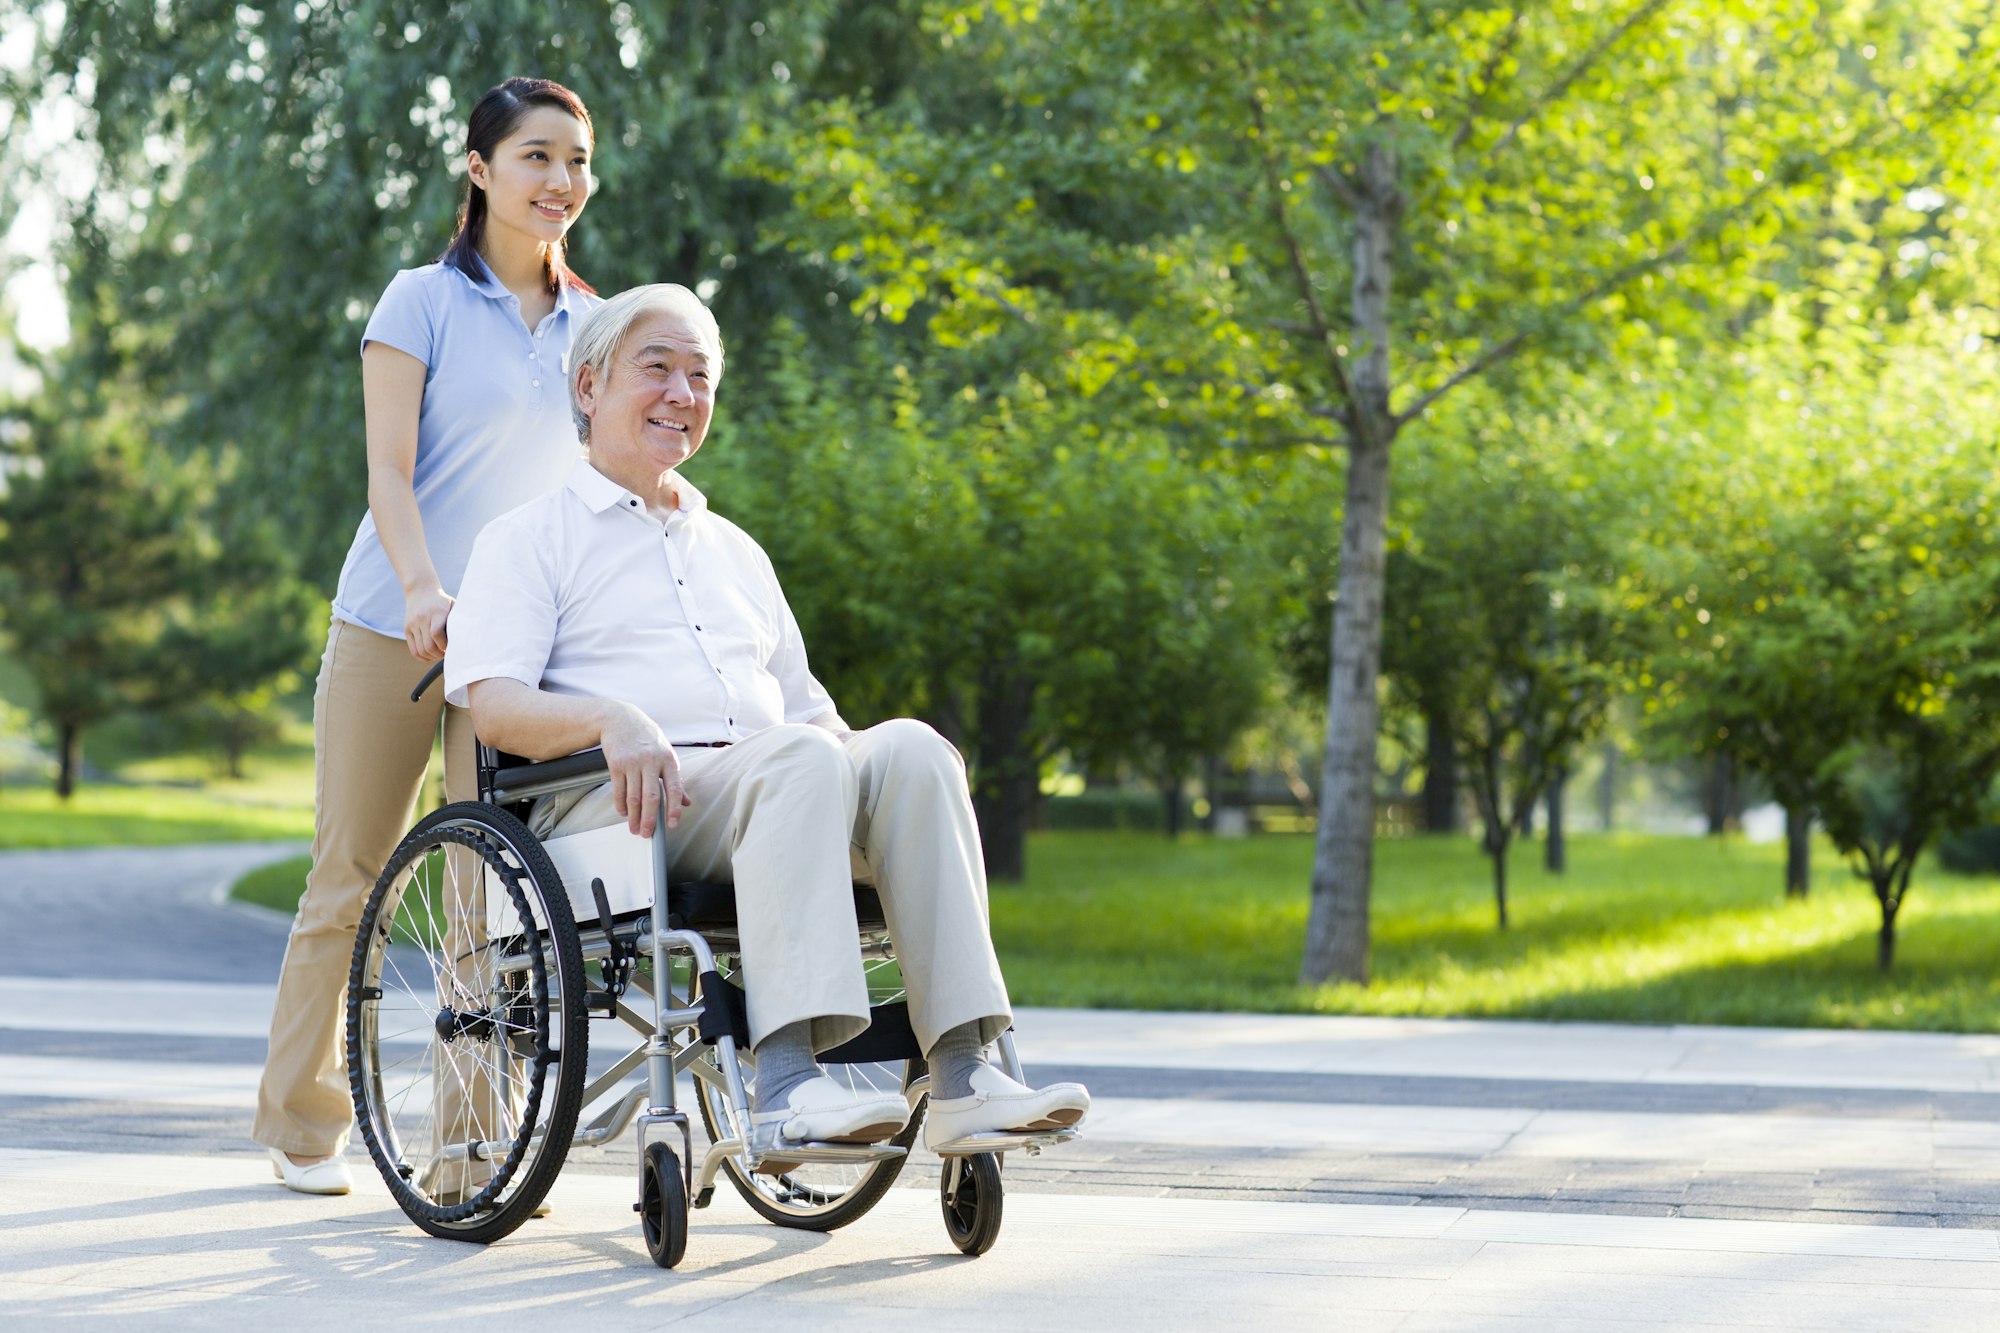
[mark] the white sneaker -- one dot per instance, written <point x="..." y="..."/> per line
<point x="999" y="1105"/>
<point x="329" y="1176"/>
<point x="821" y="1110"/>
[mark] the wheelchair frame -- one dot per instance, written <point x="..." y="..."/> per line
<point x="520" y="1010"/>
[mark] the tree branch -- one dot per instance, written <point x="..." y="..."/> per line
<point x="1338" y="185"/>
<point x="1569" y="77"/>
<point x="1495" y="353"/>
<point x="1483" y="84"/>
<point x="1322" y="330"/>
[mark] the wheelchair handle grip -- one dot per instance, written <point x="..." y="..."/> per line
<point x="437" y="669"/>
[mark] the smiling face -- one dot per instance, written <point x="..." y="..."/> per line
<point x="537" y="179"/>
<point x="650" y="405"/>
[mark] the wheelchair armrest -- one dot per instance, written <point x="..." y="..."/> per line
<point x="514" y="780"/>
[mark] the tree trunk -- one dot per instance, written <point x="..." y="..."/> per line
<point x="1344" y="845"/>
<point x="1003" y="794"/>
<point x="1555" y="851"/>
<point x="1607" y="787"/>
<point x="1440" y="799"/>
<point x="1721" y="777"/>
<point x="1170" y="797"/>
<point x="69" y="761"/>
<point x="1885" y="938"/>
<point x="1798" y="850"/>
<point x="1498" y="852"/>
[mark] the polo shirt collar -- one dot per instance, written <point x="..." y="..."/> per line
<point x="489" y="286"/>
<point x="599" y="493"/>
<point x="486" y="284"/>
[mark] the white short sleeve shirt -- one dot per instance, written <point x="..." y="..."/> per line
<point x="582" y="592"/>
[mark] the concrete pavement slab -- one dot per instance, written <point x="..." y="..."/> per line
<point x="1472" y="1048"/>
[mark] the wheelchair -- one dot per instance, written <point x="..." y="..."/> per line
<point x="486" y="957"/>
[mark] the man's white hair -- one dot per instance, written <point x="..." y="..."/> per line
<point x="605" y="327"/>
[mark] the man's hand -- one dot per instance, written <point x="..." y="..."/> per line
<point x="641" y="763"/>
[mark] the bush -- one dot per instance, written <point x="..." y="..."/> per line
<point x="1110" y="808"/>
<point x="1973" y="851"/>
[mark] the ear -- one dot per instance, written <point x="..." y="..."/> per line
<point x="586" y="389"/>
<point x="476" y="170"/>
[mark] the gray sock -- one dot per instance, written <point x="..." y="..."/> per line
<point x="784" y="1060"/>
<point x="952" y="1059"/>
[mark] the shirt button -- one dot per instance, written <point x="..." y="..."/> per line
<point x="682" y="582"/>
<point x="697" y="628"/>
<point x="536" y="383"/>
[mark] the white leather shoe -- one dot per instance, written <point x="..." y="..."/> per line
<point x="999" y="1105"/>
<point x="330" y="1176"/>
<point x="821" y="1110"/>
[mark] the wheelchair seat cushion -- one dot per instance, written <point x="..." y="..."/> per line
<point x="693" y="906"/>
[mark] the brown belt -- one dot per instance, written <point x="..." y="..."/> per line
<point x="699" y="745"/>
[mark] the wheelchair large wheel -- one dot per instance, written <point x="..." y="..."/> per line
<point x="816" y="1196"/>
<point x="467" y="1033"/>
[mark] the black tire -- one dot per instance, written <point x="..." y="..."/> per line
<point x="969" y="1190"/>
<point x="816" y="1196"/>
<point x="663" y="1205"/>
<point x="499" y="1009"/>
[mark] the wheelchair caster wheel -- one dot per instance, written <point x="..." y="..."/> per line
<point x="663" y="1206"/>
<point x="969" y="1189"/>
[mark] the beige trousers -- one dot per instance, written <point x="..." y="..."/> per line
<point x="371" y="746"/>
<point x="792" y="816"/>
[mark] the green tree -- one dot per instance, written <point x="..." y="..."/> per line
<point x="94" y="558"/>
<point x="239" y="643"/>
<point x="1833" y="622"/>
<point x="1510" y="619"/>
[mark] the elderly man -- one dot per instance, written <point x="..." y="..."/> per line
<point x="621" y="612"/>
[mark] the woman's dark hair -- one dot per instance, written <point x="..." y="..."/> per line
<point x="496" y="115"/>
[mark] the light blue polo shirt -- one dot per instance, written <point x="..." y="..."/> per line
<point x="495" y="430"/>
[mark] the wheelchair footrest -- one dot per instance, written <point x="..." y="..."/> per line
<point x="1033" y="1140"/>
<point x="833" y="1152"/>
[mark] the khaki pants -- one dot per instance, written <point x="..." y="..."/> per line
<point x="371" y="746"/>
<point x="792" y="816"/>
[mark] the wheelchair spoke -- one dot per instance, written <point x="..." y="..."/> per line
<point x="468" y="1076"/>
<point x="817" y="1195"/>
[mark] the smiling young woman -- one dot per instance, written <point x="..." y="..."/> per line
<point x="467" y="416"/>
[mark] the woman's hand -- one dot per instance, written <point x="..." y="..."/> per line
<point x="641" y="763"/>
<point x="424" y="616"/>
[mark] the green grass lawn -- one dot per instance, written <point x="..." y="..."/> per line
<point x="1641" y="929"/>
<point x="101" y="816"/>
<point x="167" y="800"/>
<point x="278" y="885"/>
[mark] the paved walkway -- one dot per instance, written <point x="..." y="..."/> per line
<point x="1270" y="1171"/>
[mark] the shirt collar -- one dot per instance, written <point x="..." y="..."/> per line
<point x="486" y="284"/>
<point x="599" y="493"/>
<point x="489" y="286"/>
